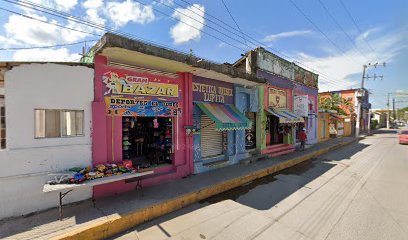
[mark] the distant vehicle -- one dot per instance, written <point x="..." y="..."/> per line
<point x="403" y="137"/>
<point x="394" y="126"/>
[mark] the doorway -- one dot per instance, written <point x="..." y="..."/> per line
<point x="147" y="141"/>
<point x="276" y="132"/>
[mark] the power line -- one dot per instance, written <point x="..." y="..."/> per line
<point x="339" y="26"/>
<point x="63" y="15"/>
<point x="41" y="47"/>
<point x="253" y="41"/>
<point x="67" y="16"/>
<point x="209" y="34"/>
<point x="356" y="25"/>
<point x="51" y="23"/>
<point x="321" y="31"/>
<point x="233" y="19"/>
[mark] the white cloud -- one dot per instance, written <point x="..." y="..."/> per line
<point x="221" y="44"/>
<point x="341" y="68"/>
<point x="92" y="4"/>
<point x="63" y="5"/>
<point x="23" y="31"/>
<point x="129" y="11"/>
<point x="55" y="55"/>
<point x="31" y="32"/>
<point x="181" y="32"/>
<point x="275" y="37"/>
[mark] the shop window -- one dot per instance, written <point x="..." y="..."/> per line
<point x="52" y="123"/>
<point x="2" y="124"/>
<point x="148" y="141"/>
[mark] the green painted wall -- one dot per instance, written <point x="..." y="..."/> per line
<point x="261" y="120"/>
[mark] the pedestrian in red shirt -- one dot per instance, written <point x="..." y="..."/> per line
<point x="302" y="138"/>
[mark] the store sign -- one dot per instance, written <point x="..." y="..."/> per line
<point x="277" y="98"/>
<point x="137" y="85"/>
<point x="206" y="90"/>
<point x="301" y="105"/>
<point x="120" y="106"/>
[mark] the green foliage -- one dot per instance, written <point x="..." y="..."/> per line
<point x="374" y="123"/>
<point x="337" y="103"/>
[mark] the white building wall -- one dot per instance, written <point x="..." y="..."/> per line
<point x="26" y="161"/>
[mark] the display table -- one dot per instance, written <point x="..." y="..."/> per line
<point x="64" y="189"/>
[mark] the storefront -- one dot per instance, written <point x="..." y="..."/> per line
<point x="218" y="125"/>
<point x="305" y="102"/>
<point x="140" y="116"/>
<point x="280" y="120"/>
<point x="247" y="102"/>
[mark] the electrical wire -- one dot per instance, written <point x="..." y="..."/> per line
<point x="63" y="15"/>
<point x="340" y="27"/>
<point x="236" y="23"/>
<point x="356" y="25"/>
<point x="341" y="51"/>
<point x="41" y="47"/>
<point x="51" y="23"/>
<point x="257" y="43"/>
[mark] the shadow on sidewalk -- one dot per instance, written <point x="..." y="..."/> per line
<point x="264" y="193"/>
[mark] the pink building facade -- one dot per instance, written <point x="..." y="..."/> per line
<point x="165" y="97"/>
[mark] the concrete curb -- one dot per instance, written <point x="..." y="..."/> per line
<point x="115" y="224"/>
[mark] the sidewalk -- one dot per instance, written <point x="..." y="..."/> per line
<point x="111" y="215"/>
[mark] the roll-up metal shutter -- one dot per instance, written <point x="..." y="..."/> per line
<point x="211" y="139"/>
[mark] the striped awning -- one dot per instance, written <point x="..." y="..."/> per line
<point x="285" y="116"/>
<point x="226" y="117"/>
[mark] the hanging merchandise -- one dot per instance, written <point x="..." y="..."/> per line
<point x="155" y="123"/>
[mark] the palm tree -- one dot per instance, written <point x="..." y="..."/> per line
<point x="336" y="102"/>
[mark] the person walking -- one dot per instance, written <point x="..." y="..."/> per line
<point x="302" y="138"/>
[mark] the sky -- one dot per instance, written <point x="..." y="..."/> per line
<point x="332" y="38"/>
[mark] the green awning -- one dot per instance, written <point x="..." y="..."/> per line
<point x="226" y="117"/>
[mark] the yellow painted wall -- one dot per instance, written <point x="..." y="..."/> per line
<point x="347" y="127"/>
<point x="323" y="123"/>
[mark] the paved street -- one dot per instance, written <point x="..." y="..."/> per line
<point x="357" y="192"/>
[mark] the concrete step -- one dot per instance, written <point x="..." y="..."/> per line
<point x="282" y="152"/>
<point x="274" y="149"/>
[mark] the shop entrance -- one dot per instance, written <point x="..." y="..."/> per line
<point x="276" y="132"/>
<point x="148" y="141"/>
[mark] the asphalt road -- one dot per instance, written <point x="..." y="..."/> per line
<point x="357" y="192"/>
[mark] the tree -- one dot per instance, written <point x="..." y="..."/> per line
<point x="337" y="103"/>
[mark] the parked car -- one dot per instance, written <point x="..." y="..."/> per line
<point x="393" y="126"/>
<point x="403" y="137"/>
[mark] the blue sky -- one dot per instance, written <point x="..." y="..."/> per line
<point x="337" y="54"/>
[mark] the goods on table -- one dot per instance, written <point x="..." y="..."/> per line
<point x="101" y="170"/>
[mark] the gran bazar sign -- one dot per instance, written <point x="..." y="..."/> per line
<point x="131" y="95"/>
<point x="136" y="85"/>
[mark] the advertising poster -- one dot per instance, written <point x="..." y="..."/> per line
<point x="301" y="105"/>
<point x="277" y="98"/>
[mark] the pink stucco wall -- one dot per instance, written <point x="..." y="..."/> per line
<point x="289" y="103"/>
<point x="102" y="134"/>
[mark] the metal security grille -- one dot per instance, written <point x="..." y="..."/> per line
<point x="211" y="139"/>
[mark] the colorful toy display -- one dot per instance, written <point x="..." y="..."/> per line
<point x="101" y="170"/>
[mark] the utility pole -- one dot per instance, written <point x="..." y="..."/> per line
<point x="388" y="110"/>
<point x="393" y="108"/>
<point x="361" y="94"/>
